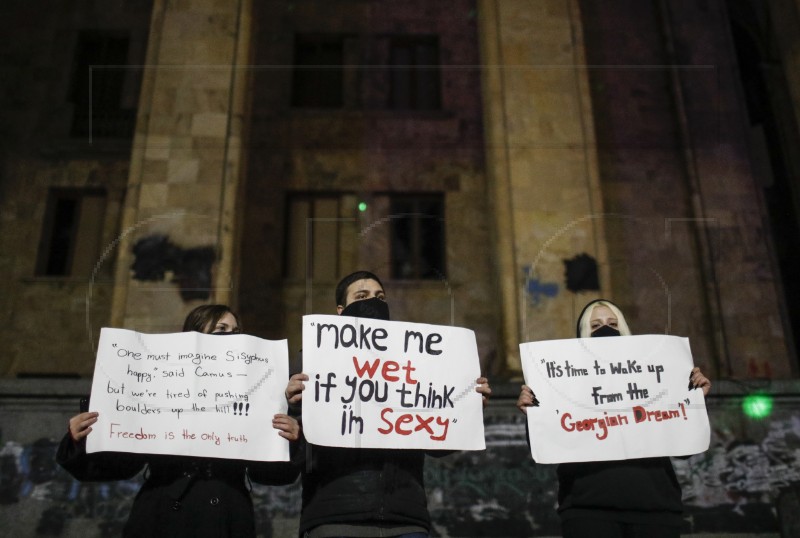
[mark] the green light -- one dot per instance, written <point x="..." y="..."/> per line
<point x="362" y="206"/>
<point x="757" y="405"/>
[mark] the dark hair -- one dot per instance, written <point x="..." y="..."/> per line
<point x="207" y="315"/>
<point x="341" y="287"/>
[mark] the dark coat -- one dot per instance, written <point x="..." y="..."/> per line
<point x="181" y="496"/>
<point x="362" y="486"/>
<point x="637" y="491"/>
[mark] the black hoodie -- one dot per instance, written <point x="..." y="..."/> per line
<point x="643" y="491"/>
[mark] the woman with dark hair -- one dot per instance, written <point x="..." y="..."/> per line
<point x="181" y="495"/>
<point x="635" y="498"/>
<point x="212" y="319"/>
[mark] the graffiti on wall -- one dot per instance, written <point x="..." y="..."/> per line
<point x="156" y="256"/>
<point x="31" y="481"/>
<point x="499" y="492"/>
<point x="536" y="289"/>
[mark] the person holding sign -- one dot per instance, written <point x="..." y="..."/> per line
<point x="634" y="498"/>
<point x="182" y="496"/>
<point x="362" y="492"/>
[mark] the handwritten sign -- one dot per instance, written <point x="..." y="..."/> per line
<point x="389" y="384"/>
<point x="613" y="398"/>
<point x="189" y="394"/>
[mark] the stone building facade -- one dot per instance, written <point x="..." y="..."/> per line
<point x="498" y="162"/>
<point x="64" y="169"/>
<point x="469" y="152"/>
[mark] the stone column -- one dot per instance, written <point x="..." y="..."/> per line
<point x="541" y="162"/>
<point x="186" y="164"/>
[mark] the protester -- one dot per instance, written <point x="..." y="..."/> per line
<point x="182" y="496"/>
<point x="635" y="498"/>
<point x="350" y="492"/>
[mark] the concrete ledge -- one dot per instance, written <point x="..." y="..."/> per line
<point x="56" y="387"/>
<point x="44" y="387"/>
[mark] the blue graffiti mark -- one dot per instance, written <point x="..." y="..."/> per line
<point x="535" y="288"/>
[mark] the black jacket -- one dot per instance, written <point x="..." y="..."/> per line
<point x="644" y="491"/>
<point x="362" y="486"/>
<point x="181" y="496"/>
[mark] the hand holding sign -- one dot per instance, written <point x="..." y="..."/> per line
<point x="81" y="425"/>
<point x="189" y="394"/>
<point x="613" y="398"/>
<point x="383" y="384"/>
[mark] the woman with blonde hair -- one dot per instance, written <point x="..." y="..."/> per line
<point x="634" y="498"/>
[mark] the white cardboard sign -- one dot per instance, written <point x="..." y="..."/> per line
<point x="613" y="399"/>
<point x="189" y="394"/>
<point x="390" y="384"/>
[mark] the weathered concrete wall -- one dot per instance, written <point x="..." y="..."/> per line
<point x="185" y="165"/>
<point x="673" y="195"/>
<point x="731" y="490"/>
<point x="686" y="230"/>
<point x="39" y="151"/>
<point x="541" y="159"/>
<point x="367" y="151"/>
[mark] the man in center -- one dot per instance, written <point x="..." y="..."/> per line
<point x="362" y="492"/>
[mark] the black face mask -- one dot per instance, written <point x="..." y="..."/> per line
<point x="605" y="330"/>
<point x="368" y="308"/>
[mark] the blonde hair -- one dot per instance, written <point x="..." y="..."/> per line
<point x="584" y="322"/>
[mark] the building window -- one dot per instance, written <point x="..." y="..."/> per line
<point x="414" y="73"/>
<point x="98" y="90"/>
<point x="312" y="237"/>
<point x="336" y="71"/>
<point x="417" y="237"/>
<point x="318" y="71"/>
<point x="71" y="233"/>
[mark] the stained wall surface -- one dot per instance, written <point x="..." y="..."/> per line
<point x="732" y="489"/>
